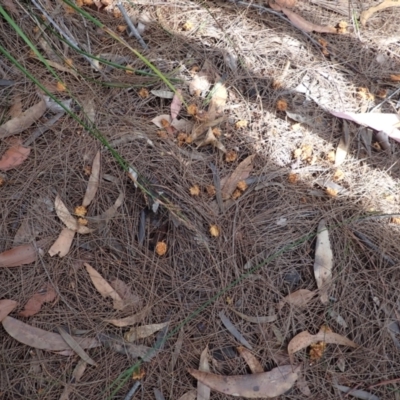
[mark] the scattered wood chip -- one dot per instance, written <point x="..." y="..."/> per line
<point x="203" y="391"/>
<point x="264" y="385"/>
<point x="6" y="306"/>
<point x="255" y="320"/>
<point x="24" y="121"/>
<point x="45" y="295"/>
<point x="77" y="374"/>
<point x="131" y="320"/>
<point x="93" y="183"/>
<point x="357" y="393"/>
<point x="323" y="262"/>
<point x="300" y="298"/>
<point x="241" y="173"/>
<point x="141" y="332"/>
<point x="234" y="332"/>
<point x="251" y="360"/>
<point x="305" y="339"/>
<point x="366" y="15"/>
<point x="104" y="288"/>
<point x="75" y="346"/>
<point x="40" y="339"/>
<point x="14" y="157"/>
<point x="63" y="243"/>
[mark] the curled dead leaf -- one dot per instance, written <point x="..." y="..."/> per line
<point x="141" y="332"/>
<point x="251" y="360"/>
<point x="264" y="385"/>
<point x="63" y="243"/>
<point x="93" y="183"/>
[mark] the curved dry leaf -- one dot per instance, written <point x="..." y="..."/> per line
<point x="164" y="117"/>
<point x="104" y="218"/>
<point x="304" y="25"/>
<point x="203" y="391"/>
<point x="191" y="395"/>
<point x="359" y="394"/>
<point x="141" y="332"/>
<point x="75" y="347"/>
<point x="20" y="255"/>
<point x="365" y="15"/>
<point x="104" y="288"/>
<point x="61" y="68"/>
<point x="241" y="173"/>
<point x="93" y="183"/>
<point x="63" y="243"/>
<point x="40" y="339"/>
<point x="131" y="320"/>
<point x="264" y="385"/>
<point x="164" y="94"/>
<point x="255" y="320"/>
<point x="45" y="295"/>
<point x="77" y="374"/>
<point x="6" y="306"/>
<point x="233" y="330"/>
<point x="24" y="121"/>
<point x="300" y="298"/>
<point x="13" y="157"/>
<point x="323" y="261"/>
<point x="69" y="221"/>
<point x="305" y="339"/>
<point x="251" y="360"/>
<point x="344" y="144"/>
<point x="124" y="290"/>
<point x="176" y="104"/>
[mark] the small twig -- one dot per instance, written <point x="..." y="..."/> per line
<point x="133" y="390"/>
<point x="382" y="383"/>
<point x="133" y="30"/>
<point x="217" y="184"/>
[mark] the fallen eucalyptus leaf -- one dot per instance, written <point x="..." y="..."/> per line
<point x="77" y="374"/>
<point x="305" y="339"/>
<point x="232" y="329"/>
<point x="131" y="320"/>
<point x="164" y="94"/>
<point x="63" y="243"/>
<point x="203" y="391"/>
<point x="264" y="385"/>
<point x="191" y="395"/>
<point x="365" y="15"/>
<point x="251" y="360"/>
<point x="359" y="394"/>
<point x="45" y="295"/>
<point x="20" y="255"/>
<point x="75" y="347"/>
<point x="93" y="183"/>
<point x="141" y="332"/>
<point x="323" y="262"/>
<point x="104" y="288"/>
<point x="255" y="320"/>
<point x="40" y="339"/>
<point x="176" y="104"/>
<point x="24" y="121"/>
<point x="300" y="298"/>
<point x="344" y="145"/>
<point x="14" y="157"/>
<point x="6" y="306"/>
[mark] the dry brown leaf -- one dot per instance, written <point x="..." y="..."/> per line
<point x="77" y="374"/>
<point x="45" y="295"/>
<point x="344" y="144"/>
<point x="300" y="298"/>
<point x="13" y="157"/>
<point x="177" y="349"/>
<point x="158" y="121"/>
<point x="191" y="395"/>
<point x="69" y="221"/>
<point x="203" y="391"/>
<point x="62" y="68"/>
<point x="93" y="183"/>
<point x="241" y="173"/>
<point x="125" y="291"/>
<point x="6" y="306"/>
<point x="63" y="243"/>
<point x="211" y="139"/>
<point x="20" y="255"/>
<point x="264" y="385"/>
<point x="75" y="347"/>
<point x="104" y="288"/>
<point x="131" y="320"/>
<point x="286" y="3"/>
<point x="305" y="339"/>
<point x="255" y="320"/>
<point x="105" y="218"/>
<point x="40" y="339"/>
<point x="176" y="104"/>
<point x="251" y="360"/>
<point x="365" y="15"/>
<point x="16" y="109"/>
<point x="306" y="26"/>
<point x="24" y="121"/>
<point x="141" y="332"/>
<point x="323" y="262"/>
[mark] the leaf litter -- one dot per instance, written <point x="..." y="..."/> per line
<point x="6" y="306"/>
<point x="203" y="391"/>
<point x="46" y="294"/>
<point x="234" y="331"/>
<point x="141" y="332"/>
<point x="77" y="374"/>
